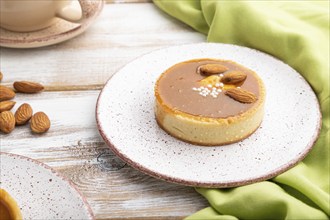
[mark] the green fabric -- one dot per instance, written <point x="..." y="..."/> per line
<point x="296" y="32"/>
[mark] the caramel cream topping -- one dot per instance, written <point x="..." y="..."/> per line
<point x="183" y="87"/>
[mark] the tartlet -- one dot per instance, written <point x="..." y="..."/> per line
<point x="9" y="210"/>
<point x="209" y="101"/>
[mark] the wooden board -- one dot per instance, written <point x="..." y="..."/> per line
<point x="122" y="33"/>
<point x="74" y="147"/>
<point x="73" y="73"/>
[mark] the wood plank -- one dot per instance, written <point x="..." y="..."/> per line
<point x="72" y="116"/>
<point x="122" y="33"/>
<point x="74" y="147"/>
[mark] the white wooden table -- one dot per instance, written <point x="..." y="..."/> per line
<point x="73" y="73"/>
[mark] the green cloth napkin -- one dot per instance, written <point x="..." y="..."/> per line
<point x="296" y="32"/>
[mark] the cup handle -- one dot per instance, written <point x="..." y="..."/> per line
<point x="74" y="15"/>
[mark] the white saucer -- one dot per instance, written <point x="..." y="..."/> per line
<point x="40" y="192"/>
<point x="291" y="125"/>
<point x="60" y="31"/>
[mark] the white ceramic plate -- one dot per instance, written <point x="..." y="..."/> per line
<point x="40" y="192"/>
<point x="58" y="32"/>
<point x="125" y="116"/>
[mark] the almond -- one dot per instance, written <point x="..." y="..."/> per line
<point x="28" y="87"/>
<point x="23" y="114"/>
<point x="6" y="93"/>
<point x="211" y="69"/>
<point x="7" y="122"/>
<point x="1" y="76"/>
<point x="40" y="123"/>
<point x="6" y="105"/>
<point x="241" y="95"/>
<point x="234" y="77"/>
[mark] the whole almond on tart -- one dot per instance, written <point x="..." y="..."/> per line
<point x="28" y="87"/>
<point x="39" y="123"/>
<point x="23" y="114"/>
<point x="234" y="77"/>
<point x="7" y="122"/>
<point x="1" y="76"/>
<point x="6" y="93"/>
<point x="6" y="105"/>
<point x="241" y="95"/>
<point x="211" y="69"/>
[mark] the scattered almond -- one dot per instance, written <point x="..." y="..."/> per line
<point x="233" y="77"/>
<point x="1" y="76"/>
<point x="211" y="69"/>
<point x="7" y="122"/>
<point x="6" y="105"/>
<point x="6" y="93"/>
<point x="40" y="123"/>
<point x="28" y="87"/>
<point x="23" y="114"/>
<point x="241" y="95"/>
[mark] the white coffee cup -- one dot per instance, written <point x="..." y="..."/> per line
<point x="33" y="15"/>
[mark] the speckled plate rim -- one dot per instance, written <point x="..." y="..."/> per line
<point x="64" y="35"/>
<point x="54" y="172"/>
<point x="207" y="184"/>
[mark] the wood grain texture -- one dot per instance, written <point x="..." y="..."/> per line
<point x="74" y="147"/>
<point x="122" y="33"/>
<point x="73" y="73"/>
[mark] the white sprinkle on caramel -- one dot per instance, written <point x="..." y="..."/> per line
<point x="210" y="90"/>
